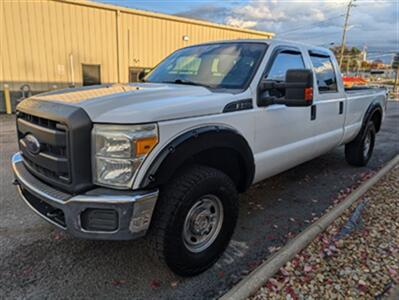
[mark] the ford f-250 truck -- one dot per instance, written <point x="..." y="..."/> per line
<point x="167" y="157"/>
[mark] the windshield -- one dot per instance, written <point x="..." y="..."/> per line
<point x="226" y="65"/>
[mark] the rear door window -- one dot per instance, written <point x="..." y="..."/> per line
<point x="325" y="73"/>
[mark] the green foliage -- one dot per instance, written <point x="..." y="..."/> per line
<point x="352" y="58"/>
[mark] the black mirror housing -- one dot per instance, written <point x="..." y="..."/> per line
<point x="298" y="86"/>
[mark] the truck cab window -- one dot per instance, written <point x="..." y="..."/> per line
<point x="325" y="74"/>
<point x="218" y="66"/>
<point x="185" y="65"/>
<point x="284" y="61"/>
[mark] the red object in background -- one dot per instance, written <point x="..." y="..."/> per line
<point x="350" y="81"/>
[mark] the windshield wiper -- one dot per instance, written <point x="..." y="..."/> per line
<point x="188" y="82"/>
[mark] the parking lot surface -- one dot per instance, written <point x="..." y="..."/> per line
<point x="38" y="261"/>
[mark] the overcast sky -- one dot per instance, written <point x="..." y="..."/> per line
<point x="373" y="24"/>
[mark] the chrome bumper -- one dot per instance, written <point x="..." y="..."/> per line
<point x="121" y="215"/>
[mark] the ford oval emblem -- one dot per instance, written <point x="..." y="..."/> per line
<point x="32" y="143"/>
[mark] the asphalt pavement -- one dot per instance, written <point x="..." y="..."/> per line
<point x="38" y="261"/>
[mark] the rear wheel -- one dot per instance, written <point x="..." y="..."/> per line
<point x="359" y="151"/>
<point x="194" y="220"/>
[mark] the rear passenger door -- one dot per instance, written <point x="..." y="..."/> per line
<point x="328" y="110"/>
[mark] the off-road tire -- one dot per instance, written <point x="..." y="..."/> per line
<point x="354" y="151"/>
<point x="175" y="201"/>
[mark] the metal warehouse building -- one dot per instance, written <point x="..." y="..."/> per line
<point x="50" y="44"/>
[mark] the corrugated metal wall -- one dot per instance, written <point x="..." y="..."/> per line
<point x="146" y="41"/>
<point x="45" y="42"/>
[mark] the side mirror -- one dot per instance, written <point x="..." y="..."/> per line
<point x="298" y="88"/>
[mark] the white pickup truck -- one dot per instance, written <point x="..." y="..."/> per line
<point x="167" y="157"/>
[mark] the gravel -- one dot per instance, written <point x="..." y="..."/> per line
<point x="357" y="257"/>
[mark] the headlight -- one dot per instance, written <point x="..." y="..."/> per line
<point x="119" y="150"/>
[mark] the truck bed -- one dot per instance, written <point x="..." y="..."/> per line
<point x="360" y="90"/>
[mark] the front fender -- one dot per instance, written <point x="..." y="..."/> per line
<point x="181" y="149"/>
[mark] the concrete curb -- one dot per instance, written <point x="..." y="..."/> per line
<point x="255" y="280"/>
<point x="394" y="294"/>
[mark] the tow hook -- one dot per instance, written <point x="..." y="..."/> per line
<point x="15" y="182"/>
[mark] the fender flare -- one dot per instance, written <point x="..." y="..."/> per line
<point x="373" y="107"/>
<point x="178" y="151"/>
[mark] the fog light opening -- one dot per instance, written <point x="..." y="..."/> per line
<point x="98" y="219"/>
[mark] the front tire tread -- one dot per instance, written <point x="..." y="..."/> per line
<point x="169" y="205"/>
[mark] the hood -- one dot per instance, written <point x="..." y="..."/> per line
<point x="142" y="102"/>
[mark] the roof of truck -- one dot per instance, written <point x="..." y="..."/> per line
<point x="270" y="42"/>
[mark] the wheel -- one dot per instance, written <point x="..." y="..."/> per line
<point x="194" y="220"/>
<point x="359" y="151"/>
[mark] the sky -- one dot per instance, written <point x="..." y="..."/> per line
<point x="373" y="24"/>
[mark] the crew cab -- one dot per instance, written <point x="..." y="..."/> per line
<point x="167" y="157"/>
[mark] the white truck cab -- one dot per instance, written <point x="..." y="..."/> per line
<point x="167" y="157"/>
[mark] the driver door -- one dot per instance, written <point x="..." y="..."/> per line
<point x="283" y="135"/>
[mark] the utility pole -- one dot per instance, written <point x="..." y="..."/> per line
<point x="395" y="66"/>
<point x="348" y="62"/>
<point x="341" y="57"/>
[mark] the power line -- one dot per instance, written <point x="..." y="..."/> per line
<point x="383" y="51"/>
<point x="319" y="36"/>
<point x="379" y="55"/>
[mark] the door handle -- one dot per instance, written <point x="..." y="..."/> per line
<point x="341" y="107"/>
<point x="313" y="111"/>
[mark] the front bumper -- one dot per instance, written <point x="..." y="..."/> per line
<point x="97" y="214"/>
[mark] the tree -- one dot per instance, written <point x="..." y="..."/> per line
<point x="365" y="65"/>
<point x="352" y="59"/>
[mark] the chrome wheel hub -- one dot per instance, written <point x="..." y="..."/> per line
<point x="203" y="223"/>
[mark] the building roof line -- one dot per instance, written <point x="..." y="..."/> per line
<point x="164" y="16"/>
